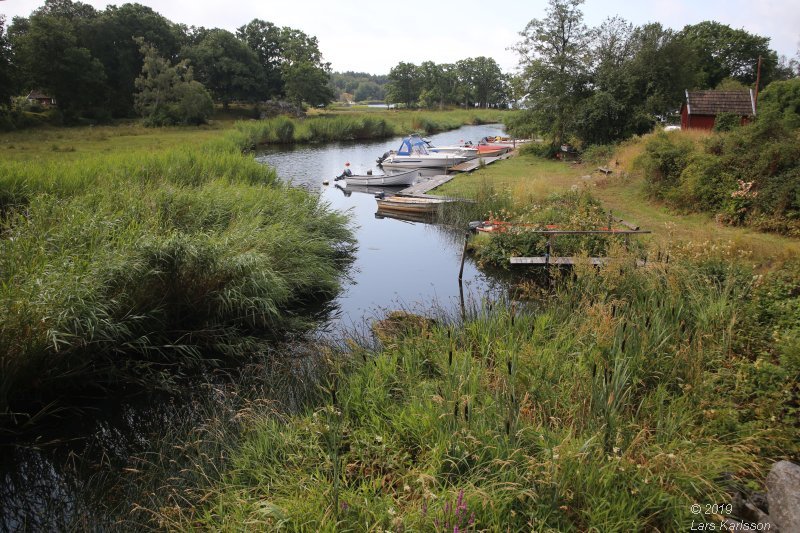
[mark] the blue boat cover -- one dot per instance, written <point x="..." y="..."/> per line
<point x="413" y="144"/>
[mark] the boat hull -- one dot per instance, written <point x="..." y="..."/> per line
<point x="402" y="204"/>
<point x="387" y="180"/>
<point x="439" y="161"/>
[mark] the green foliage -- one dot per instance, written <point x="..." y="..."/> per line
<point x="727" y="121"/>
<point x="51" y="50"/>
<point x="567" y="211"/>
<point x="120" y="268"/>
<point x="724" y="52"/>
<point x="7" y="77"/>
<point x="403" y="84"/>
<point x="225" y="66"/>
<point x="780" y="100"/>
<point x="664" y="158"/>
<point x="555" y="60"/>
<point x="747" y="176"/>
<point x="613" y="402"/>
<point x="307" y="83"/>
<point x="167" y="94"/>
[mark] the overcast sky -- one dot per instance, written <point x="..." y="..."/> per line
<point x="375" y="36"/>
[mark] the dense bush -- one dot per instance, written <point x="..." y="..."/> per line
<point x="568" y="211"/>
<point x="749" y="175"/>
<point x="664" y="158"/>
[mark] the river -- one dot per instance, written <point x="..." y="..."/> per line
<point x="78" y="483"/>
<point x="399" y="264"/>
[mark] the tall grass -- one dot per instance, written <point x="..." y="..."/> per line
<point x="118" y="268"/>
<point x="611" y="404"/>
<point x="353" y="126"/>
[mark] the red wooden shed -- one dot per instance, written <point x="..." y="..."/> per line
<point x="701" y="108"/>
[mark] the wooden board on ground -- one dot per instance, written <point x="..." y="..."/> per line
<point x="544" y="260"/>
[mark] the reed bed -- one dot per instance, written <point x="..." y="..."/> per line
<point x="141" y="267"/>
<point x="354" y="126"/>
<point x="611" y="403"/>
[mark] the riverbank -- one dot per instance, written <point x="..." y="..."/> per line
<point x="614" y="400"/>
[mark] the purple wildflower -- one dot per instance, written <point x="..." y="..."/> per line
<point x="424" y="507"/>
<point x="455" y="529"/>
<point x="472" y="519"/>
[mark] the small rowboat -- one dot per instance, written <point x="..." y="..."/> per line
<point x="387" y="180"/>
<point x="406" y="204"/>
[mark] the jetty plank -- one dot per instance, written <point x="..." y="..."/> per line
<point x="553" y="260"/>
<point x="426" y="184"/>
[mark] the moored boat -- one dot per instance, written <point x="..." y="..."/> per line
<point x="414" y="153"/>
<point x="408" y="204"/>
<point x="407" y="177"/>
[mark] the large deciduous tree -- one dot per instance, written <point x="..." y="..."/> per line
<point x="50" y="47"/>
<point x="266" y="40"/>
<point x="7" y="79"/>
<point x="403" y="84"/>
<point x="724" y="52"/>
<point x="112" y="42"/>
<point x="225" y="65"/>
<point x="555" y="60"/>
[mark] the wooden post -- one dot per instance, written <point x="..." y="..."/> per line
<point x="463" y="256"/>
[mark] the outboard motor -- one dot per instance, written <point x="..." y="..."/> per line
<point x="382" y="158"/>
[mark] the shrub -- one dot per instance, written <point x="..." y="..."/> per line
<point x="663" y="160"/>
<point x="727" y="121"/>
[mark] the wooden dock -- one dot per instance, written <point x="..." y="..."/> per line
<point x="425" y="184"/>
<point x="472" y="164"/>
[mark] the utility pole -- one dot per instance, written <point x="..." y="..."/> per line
<point x="758" y="80"/>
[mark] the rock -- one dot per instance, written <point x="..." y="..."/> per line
<point x="400" y="323"/>
<point x="783" y="495"/>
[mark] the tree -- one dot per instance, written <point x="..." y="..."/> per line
<point x="6" y="67"/>
<point x="266" y="40"/>
<point x="225" y="66"/>
<point x="727" y="53"/>
<point x="306" y="82"/>
<point x="368" y="90"/>
<point x="555" y="60"/>
<point x="781" y="99"/>
<point x="488" y="81"/>
<point x="112" y="42"/>
<point x="403" y="84"/>
<point x="167" y="94"/>
<point x="52" y="58"/>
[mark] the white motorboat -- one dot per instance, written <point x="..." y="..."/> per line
<point x="414" y="153"/>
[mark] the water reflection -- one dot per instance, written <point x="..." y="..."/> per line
<point x="401" y="262"/>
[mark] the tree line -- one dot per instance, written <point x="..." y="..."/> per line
<point x="469" y="82"/>
<point x="89" y="60"/>
<point x="603" y="84"/>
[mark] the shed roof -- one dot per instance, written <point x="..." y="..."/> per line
<point x="715" y="102"/>
<point x="37" y="94"/>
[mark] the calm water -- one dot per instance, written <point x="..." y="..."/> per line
<point x="399" y="264"/>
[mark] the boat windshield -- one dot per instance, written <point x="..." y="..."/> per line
<point x="413" y="145"/>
